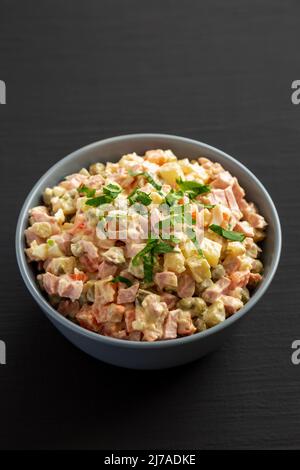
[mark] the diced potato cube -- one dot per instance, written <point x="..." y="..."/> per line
<point x="137" y="271"/>
<point x="186" y="166"/>
<point x="47" y="195"/>
<point x="193" y="168"/>
<point x="236" y="248"/>
<point x="42" y="229"/>
<point x="174" y="262"/>
<point x="170" y="172"/>
<point x="206" y="217"/>
<point x="210" y="235"/>
<point x="246" y="263"/>
<point x="188" y="249"/>
<point x="156" y="197"/>
<point x="84" y="172"/>
<point x="211" y="250"/>
<point x="68" y="205"/>
<point x="62" y="265"/>
<point x="60" y="216"/>
<point x="58" y="191"/>
<point x="160" y="157"/>
<point x="130" y="159"/>
<point x="259" y="235"/>
<point x="37" y="252"/>
<point x="214" y="314"/>
<point x="96" y="168"/>
<point x="54" y="251"/>
<point x="199" y="268"/>
<point x="114" y="255"/>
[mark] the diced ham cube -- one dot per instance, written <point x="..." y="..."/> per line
<point x="211" y="294"/>
<point x="128" y="295"/>
<point x="129" y="315"/>
<point x="233" y="205"/>
<point x="70" y="288"/>
<point x="185" y="324"/>
<point x="86" y="319"/>
<point x="133" y="248"/>
<point x="170" y="327"/>
<point x="245" y="228"/>
<point x="239" y="279"/>
<point x="219" y="197"/>
<point x="256" y="220"/>
<point x="223" y="180"/>
<point x="30" y="236"/>
<point x="169" y="299"/>
<point x="106" y="269"/>
<point x="68" y="308"/>
<point x="231" y="304"/>
<point x="105" y="292"/>
<point x="254" y="279"/>
<point x="231" y="263"/>
<point x="186" y="285"/>
<point x="109" y="313"/>
<point x="166" y="279"/>
<point x="135" y="336"/>
<point x="50" y="283"/>
<point x="238" y="191"/>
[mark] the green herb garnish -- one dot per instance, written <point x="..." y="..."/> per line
<point x="125" y="280"/>
<point x="207" y="206"/>
<point x="110" y="192"/>
<point x="174" y="196"/>
<point x="50" y="242"/>
<point x="89" y="192"/>
<point x="174" y="239"/>
<point x="192" y="189"/>
<point x="162" y="247"/>
<point x="147" y="254"/>
<point x="148" y="263"/>
<point x="229" y="234"/>
<point x="98" y="201"/>
<point x="139" y="196"/>
<point x="144" y="251"/>
<point x="192" y="236"/>
<point x="148" y="177"/>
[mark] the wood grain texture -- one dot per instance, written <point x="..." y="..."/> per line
<point x="215" y="71"/>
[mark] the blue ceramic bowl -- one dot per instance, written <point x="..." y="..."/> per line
<point x="161" y="354"/>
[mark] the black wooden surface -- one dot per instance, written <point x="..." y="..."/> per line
<point x="220" y="72"/>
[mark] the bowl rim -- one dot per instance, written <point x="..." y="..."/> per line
<point x="109" y="341"/>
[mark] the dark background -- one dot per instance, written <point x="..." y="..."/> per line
<point x="220" y="72"/>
